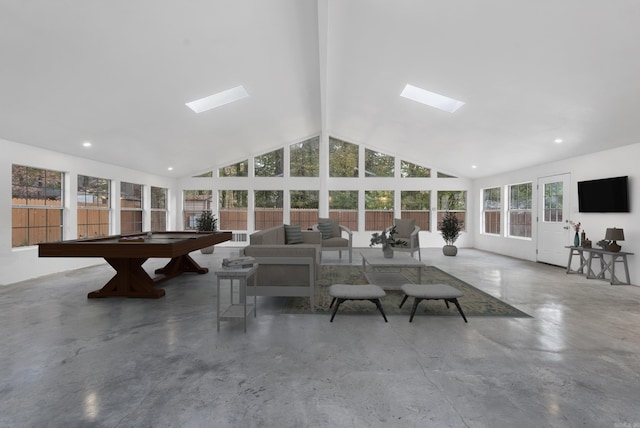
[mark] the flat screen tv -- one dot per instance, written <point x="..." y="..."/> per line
<point x="607" y="195"/>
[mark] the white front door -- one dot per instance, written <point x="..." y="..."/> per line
<point x="553" y="217"/>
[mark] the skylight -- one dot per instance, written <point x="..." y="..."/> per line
<point x="217" y="100"/>
<point x="431" y="98"/>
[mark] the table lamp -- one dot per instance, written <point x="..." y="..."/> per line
<point x="614" y="235"/>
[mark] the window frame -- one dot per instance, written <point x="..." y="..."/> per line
<point x="486" y="212"/>
<point x="233" y="215"/>
<point x="136" y="212"/>
<point x="380" y="217"/>
<point x="347" y="216"/>
<point x="461" y="213"/>
<point x="524" y="212"/>
<point x="421" y="215"/>
<point x="101" y="208"/>
<point x="160" y="211"/>
<point x="190" y="209"/>
<point x="47" y="211"/>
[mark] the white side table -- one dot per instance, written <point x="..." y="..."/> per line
<point x="240" y="309"/>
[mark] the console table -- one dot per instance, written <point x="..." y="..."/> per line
<point x="606" y="266"/>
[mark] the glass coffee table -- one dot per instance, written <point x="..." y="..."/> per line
<point x="372" y="263"/>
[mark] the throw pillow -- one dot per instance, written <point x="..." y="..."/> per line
<point x="326" y="228"/>
<point x="404" y="227"/>
<point x="293" y="234"/>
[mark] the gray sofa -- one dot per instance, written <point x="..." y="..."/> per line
<point x="285" y="269"/>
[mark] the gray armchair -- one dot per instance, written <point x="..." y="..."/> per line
<point x="335" y="237"/>
<point x="410" y="233"/>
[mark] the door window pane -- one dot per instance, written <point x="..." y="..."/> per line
<point x="553" y="202"/>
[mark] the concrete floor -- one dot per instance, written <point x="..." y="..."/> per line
<point x="68" y="361"/>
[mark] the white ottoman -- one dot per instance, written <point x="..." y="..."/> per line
<point x="343" y="292"/>
<point x="421" y="292"/>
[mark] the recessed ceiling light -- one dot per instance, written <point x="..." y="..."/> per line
<point x="87" y="144"/>
<point x="431" y="98"/>
<point x="558" y="140"/>
<point x="217" y="100"/>
<point x="474" y="166"/>
<point x="170" y="168"/>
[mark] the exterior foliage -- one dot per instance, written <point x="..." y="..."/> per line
<point x="305" y="158"/>
<point x="343" y="158"/>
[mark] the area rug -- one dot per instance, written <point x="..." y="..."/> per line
<point x="474" y="303"/>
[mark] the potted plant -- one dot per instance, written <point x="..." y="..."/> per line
<point x="207" y="222"/>
<point x="450" y="229"/>
<point x="387" y="241"/>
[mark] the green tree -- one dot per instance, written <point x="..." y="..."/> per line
<point x="343" y="158"/>
<point x="419" y="200"/>
<point x="343" y="199"/>
<point x="378" y="164"/>
<point x="304" y="199"/>
<point x="240" y="169"/>
<point x="270" y="164"/>
<point x="411" y="170"/>
<point x="269" y="198"/>
<point x="454" y="200"/>
<point x="305" y="158"/>
<point x="378" y="200"/>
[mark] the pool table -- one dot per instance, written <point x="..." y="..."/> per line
<point x="127" y="253"/>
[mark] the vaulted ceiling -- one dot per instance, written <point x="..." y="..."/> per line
<point x="118" y="73"/>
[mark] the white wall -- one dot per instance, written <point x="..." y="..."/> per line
<point x="18" y="264"/>
<point x="609" y="163"/>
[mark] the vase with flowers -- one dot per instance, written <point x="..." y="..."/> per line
<point x="386" y="238"/>
<point x="576" y="228"/>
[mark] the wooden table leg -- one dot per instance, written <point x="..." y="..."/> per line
<point x="181" y="264"/>
<point x="130" y="280"/>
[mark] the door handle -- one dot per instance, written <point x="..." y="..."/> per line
<point x="566" y="227"/>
